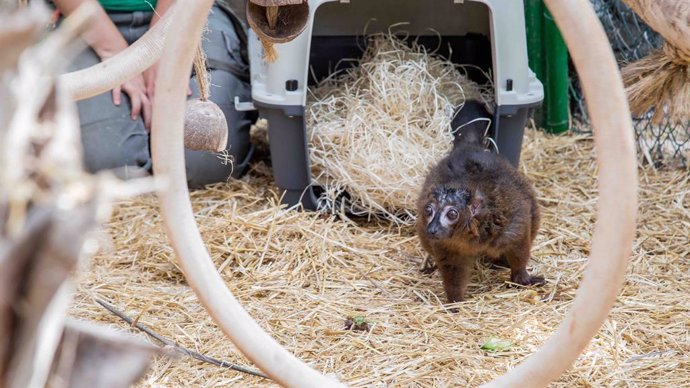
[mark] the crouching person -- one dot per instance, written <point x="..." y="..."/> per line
<point x="115" y="125"/>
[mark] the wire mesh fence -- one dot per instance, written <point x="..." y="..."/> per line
<point x="665" y="144"/>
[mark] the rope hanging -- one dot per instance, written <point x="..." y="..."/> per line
<point x="202" y="78"/>
<point x="270" y="54"/>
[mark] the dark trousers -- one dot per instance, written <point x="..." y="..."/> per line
<point x="112" y="140"/>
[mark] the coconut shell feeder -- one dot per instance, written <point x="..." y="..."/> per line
<point x="277" y="21"/>
<point x="205" y="127"/>
<point x="611" y="243"/>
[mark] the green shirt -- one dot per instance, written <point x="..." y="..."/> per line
<point x="128" y="5"/>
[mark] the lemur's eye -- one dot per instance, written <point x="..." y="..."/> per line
<point x="429" y="210"/>
<point x="452" y="214"/>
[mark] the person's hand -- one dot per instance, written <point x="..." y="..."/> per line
<point x="141" y="103"/>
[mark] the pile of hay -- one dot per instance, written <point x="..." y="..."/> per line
<point x="376" y="129"/>
<point x="302" y="274"/>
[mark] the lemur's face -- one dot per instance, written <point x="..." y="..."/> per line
<point x="445" y="212"/>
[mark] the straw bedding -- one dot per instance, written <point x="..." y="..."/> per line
<point x="301" y="275"/>
<point x="376" y="129"/>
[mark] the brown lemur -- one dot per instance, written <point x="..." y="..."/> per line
<point x="475" y="204"/>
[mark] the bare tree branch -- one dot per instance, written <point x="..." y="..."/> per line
<point x="176" y="347"/>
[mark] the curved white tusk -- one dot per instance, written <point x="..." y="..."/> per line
<point x="617" y="208"/>
<point x="168" y="158"/>
<point x="106" y="75"/>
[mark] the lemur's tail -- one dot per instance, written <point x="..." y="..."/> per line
<point x="471" y="123"/>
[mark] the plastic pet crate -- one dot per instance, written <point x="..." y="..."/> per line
<point x="488" y="33"/>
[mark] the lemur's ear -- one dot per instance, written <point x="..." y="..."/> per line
<point x="476" y="204"/>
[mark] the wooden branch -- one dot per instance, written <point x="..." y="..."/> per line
<point x="617" y="209"/>
<point x="97" y="356"/>
<point x="15" y="261"/>
<point x="196" y="264"/>
<point x="36" y="90"/>
<point x="44" y="296"/>
<point x="180" y="349"/>
<point x="48" y="206"/>
<point x="40" y="136"/>
<point x="17" y="31"/>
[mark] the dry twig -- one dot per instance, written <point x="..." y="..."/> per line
<point x="176" y="347"/>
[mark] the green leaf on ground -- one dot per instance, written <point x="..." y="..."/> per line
<point x="496" y="345"/>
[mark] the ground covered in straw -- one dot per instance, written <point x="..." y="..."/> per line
<point x="301" y="275"/>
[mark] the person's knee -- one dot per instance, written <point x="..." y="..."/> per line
<point x="110" y="145"/>
<point x="205" y="168"/>
<point x="110" y="138"/>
